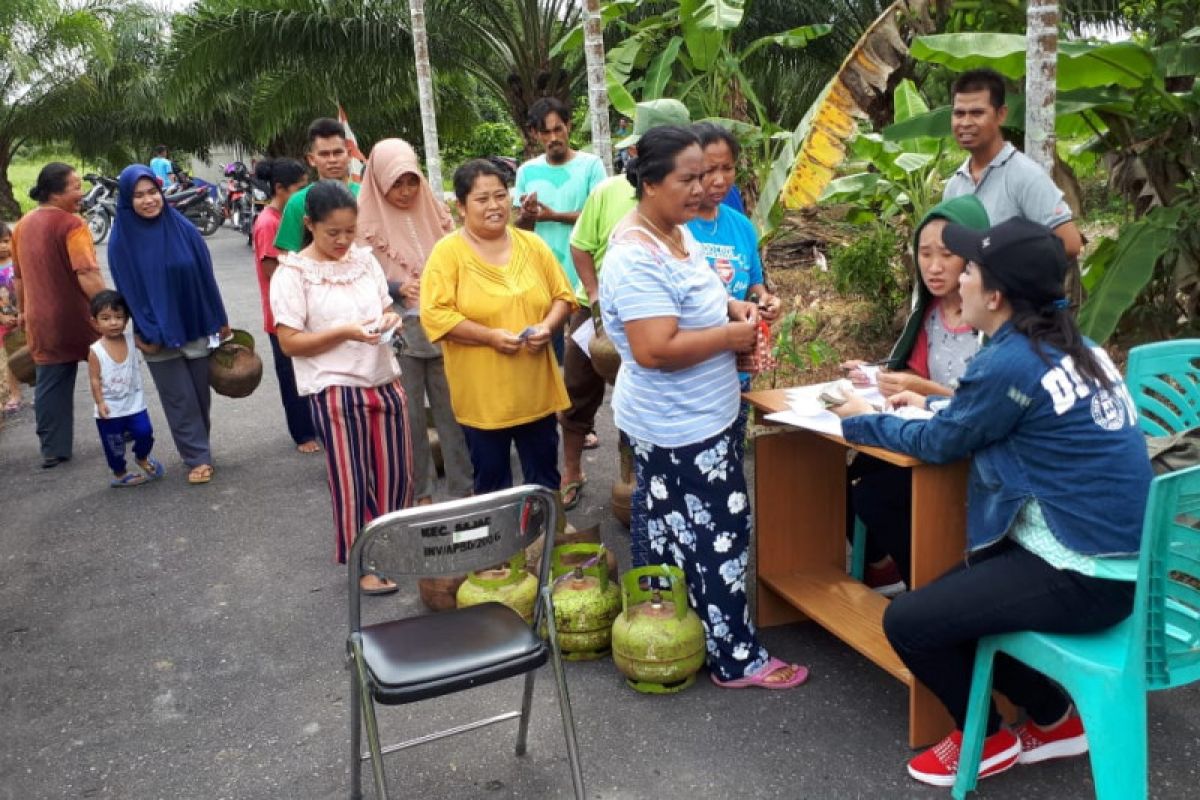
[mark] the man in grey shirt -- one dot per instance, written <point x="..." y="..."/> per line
<point x="1006" y="181"/>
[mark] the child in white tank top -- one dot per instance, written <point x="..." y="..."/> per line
<point x="114" y="369"/>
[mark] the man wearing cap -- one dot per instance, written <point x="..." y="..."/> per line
<point x="1006" y="181"/>
<point x="1057" y="490"/>
<point x="605" y="206"/>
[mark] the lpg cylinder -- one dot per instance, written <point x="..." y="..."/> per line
<point x="585" y="602"/>
<point x="510" y="585"/>
<point x="657" y="641"/>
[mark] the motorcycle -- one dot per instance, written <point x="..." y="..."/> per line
<point x="99" y="205"/>
<point x="242" y="197"/>
<point x="197" y="200"/>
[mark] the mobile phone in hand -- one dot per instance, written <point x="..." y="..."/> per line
<point x="525" y="334"/>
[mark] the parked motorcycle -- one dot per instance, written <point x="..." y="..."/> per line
<point x="197" y="200"/>
<point x="242" y="197"/>
<point x="99" y="205"/>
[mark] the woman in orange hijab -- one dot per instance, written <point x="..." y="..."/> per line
<point x="401" y="218"/>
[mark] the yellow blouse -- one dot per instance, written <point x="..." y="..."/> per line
<point x="488" y="389"/>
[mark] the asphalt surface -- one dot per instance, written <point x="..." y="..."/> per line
<point x="173" y="641"/>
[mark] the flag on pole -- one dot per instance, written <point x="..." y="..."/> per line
<point x="358" y="162"/>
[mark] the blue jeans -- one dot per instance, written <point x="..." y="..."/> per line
<point x="296" y="409"/>
<point x="1001" y="589"/>
<point x="537" y="449"/>
<point x="112" y="436"/>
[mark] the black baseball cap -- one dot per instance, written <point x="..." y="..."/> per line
<point x="1027" y="259"/>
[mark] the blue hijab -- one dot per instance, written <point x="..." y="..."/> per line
<point x="164" y="270"/>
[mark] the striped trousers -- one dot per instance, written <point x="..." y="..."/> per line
<point x="368" y="453"/>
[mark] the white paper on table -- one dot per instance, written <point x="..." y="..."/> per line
<point x="583" y="336"/>
<point x="825" y="422"/>
<point x="806" y="411"/>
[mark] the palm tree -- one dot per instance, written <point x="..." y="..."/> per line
<point x="298" y="55"/>
<point x="1041" y="75"/>
<point x="44" y="78"/>
<point x="433" y="158"/>
<point x="593" y="51"/>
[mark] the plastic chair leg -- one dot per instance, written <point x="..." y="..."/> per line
<point x="1114" y="719"/>
<point x="975" y="727"/>
<point x="858" y="551"/>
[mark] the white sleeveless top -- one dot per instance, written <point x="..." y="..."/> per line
<point x="120" y="383"/>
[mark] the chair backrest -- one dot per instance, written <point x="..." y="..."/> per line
<point x="1164" y="379"/>
<point x="1167" y="608"/>
<point x="454" y="537"/>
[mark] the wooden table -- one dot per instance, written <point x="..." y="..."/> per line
<point x="800" y="545"/>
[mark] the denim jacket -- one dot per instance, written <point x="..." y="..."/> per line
<point x="1034" y="430"/>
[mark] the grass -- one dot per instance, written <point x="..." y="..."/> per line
<point x="23" y="172"/>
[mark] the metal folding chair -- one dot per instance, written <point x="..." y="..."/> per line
<point x="417" y="658"/>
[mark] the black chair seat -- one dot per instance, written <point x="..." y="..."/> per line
<point x="421" y="657"/>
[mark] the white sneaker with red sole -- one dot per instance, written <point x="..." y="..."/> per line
<point x="938" y="766"/>
<point x="1062" y="741"/>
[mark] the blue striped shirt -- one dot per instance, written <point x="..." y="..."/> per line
<point x="641" y="281"/>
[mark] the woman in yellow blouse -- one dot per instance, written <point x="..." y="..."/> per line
<point x="493" y="295"/>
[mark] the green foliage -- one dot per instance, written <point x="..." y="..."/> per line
<point x="1118" y="270"/>
<point x="864" y="268"/>
<point x="903" y="178"/>
<point x="1139" y="106"/>
<point x="50" y="52"/>
<point x="812" y="354"/>
<point x="485" y="139"/>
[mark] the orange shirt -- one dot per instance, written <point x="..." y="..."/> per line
<point x="50" y="248"/>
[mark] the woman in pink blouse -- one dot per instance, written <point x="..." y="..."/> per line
<point x="334" y="317"/>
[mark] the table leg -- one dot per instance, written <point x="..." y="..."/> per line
<point x="939" y="524"/>
<point x="800" y="513"/>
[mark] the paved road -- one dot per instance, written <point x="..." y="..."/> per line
<point x="180" y="642"/>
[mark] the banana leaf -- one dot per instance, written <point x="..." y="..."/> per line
<point x="1124" y="269"/>
<point x="1068" y="106"/>
<point x="660" y="69"/>
<point x="1081" y="65"/>
<point x="809" y="158"/>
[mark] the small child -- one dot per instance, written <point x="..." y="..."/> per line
<point x="116" y="377"/>
<point x="8" y="320"/>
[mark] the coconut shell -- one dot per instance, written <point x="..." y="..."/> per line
<point x="21" y="364"/>
<point x="605" y="358"/>
<point x="438" y="594"/>
<point x="14" y="340"/>
<point x="234" y="370"/>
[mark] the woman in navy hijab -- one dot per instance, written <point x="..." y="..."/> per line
<point x="163" y="268"/>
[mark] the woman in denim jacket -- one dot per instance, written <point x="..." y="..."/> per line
<point x="1058" y="486"/>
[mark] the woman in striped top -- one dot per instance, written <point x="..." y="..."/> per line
<point x="676" y="399"/>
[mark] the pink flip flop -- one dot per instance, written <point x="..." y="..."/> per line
<point x="759" y="678"/>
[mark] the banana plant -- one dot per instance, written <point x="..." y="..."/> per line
<point x="1140" y="107"/>
<point x="809" y="156"/>
<point x="902" y="179"/>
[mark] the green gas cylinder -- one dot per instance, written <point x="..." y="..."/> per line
<point x="657" y="641"/>
<point x="585" y="601"/>
<point x="511" y="585"/>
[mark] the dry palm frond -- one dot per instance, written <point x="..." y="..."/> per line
<point x="861" y="84"/>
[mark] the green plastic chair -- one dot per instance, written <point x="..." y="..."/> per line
<point x="1164" y="379"/>
<point x="1108" y="673"/>
<point x="858" y="551"/>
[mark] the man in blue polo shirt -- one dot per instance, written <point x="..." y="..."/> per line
<point x="1006" y="181"/>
